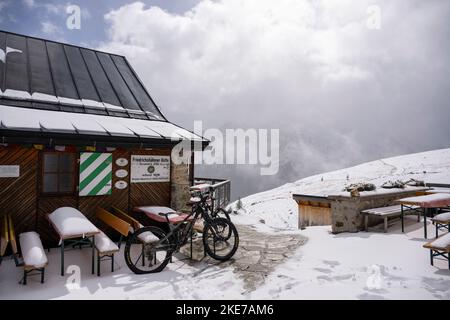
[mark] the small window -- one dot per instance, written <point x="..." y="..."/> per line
<point x="58" y="173"/>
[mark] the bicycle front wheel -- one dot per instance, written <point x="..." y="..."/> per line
<point x="148" y="250"/>
<point x="220" y="239"/>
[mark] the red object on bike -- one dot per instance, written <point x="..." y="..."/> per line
<point x="153" y="212"/>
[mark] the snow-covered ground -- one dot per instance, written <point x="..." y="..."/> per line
<point x="179" y="280"/>
<point x="345" y="266"/>
<point x="364" y="265"/>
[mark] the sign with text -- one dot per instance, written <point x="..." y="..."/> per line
<point x="9" y="171"/>
<point x="150" y="168"/>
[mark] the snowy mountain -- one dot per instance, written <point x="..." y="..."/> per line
<point x="276" y="210"/>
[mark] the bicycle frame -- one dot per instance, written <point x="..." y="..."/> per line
<point x="197" y="210"/>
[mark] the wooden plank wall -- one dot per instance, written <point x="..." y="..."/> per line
<point x="157" y="193"/>
<point x="314" y="214"/>
<point x="21" y="198"/>
<point x="18" y="195"/>
<point x="118" y="198"/>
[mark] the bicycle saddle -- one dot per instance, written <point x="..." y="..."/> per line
<point x="166" y="214"/>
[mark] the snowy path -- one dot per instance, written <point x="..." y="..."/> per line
<point x="260" y="253"/>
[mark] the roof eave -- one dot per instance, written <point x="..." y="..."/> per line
<point x="54" y="138"/>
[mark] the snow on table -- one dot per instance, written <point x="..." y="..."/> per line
<point x="153" y="212"/>
<point x="435" y="200"/>
<point x="439" y="190"/>
<point x="71" y="223"/>
<point x="157" y="210"/>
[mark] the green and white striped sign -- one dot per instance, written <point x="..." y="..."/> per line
<point x="95" y="173"/>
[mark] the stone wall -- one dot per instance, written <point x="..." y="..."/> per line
<point x="346" y="211"/>
<point x="180" y="176"/>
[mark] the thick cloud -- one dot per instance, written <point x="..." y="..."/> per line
<point x="340" y="92"/>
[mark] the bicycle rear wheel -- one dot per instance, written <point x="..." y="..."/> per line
<point x="221" y="213"/>
<point x="148" y="250"/>
<point x="220" y="239"/>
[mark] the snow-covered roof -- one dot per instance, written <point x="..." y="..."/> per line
<point x="68" y="89"/>
<point x="22" y="119"/>
<point x="52" y="73"/>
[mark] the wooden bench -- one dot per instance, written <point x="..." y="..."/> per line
<point x="439" y="247"/>
<point x="145" y="237"/>
<point x="441" y="221"/>
<point x="105" y="247"/>
<point x="384" y="213"/>
<point x="135" y="225"/>
<point x="33" y="254"/>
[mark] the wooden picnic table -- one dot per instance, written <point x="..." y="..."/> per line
<point x="72" y="225"/>
<point x="438" y="190"/>
<point x="425" y="202"/>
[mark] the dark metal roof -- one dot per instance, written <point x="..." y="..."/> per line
<point x="43" y="74"/>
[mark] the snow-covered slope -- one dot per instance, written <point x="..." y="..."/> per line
<point x="275" y="209"/>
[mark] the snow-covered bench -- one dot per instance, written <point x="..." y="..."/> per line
<point x="385" y="213"/>
<point x="34" y="257"/>
<point x="441" y="221"/>
<point x="33" y="254"/>
<point x="439" y="247"/>
<point x="124" y="224"/>
<point x="145" y="237"/>
<point x="106" y="248"/>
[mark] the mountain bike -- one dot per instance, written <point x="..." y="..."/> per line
<point x="150" y="249"/>
<point x="208" y="206"/>
<point x="215" y="212"/>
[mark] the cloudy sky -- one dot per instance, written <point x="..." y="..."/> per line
<point x="340" y="91"/>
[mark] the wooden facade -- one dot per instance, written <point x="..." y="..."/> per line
<point x="57" y="98"/>
<point x="23" y="199"/>
<point x="314" y="213"/>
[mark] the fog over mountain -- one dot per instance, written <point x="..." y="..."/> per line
<point x="340" y="92"/>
